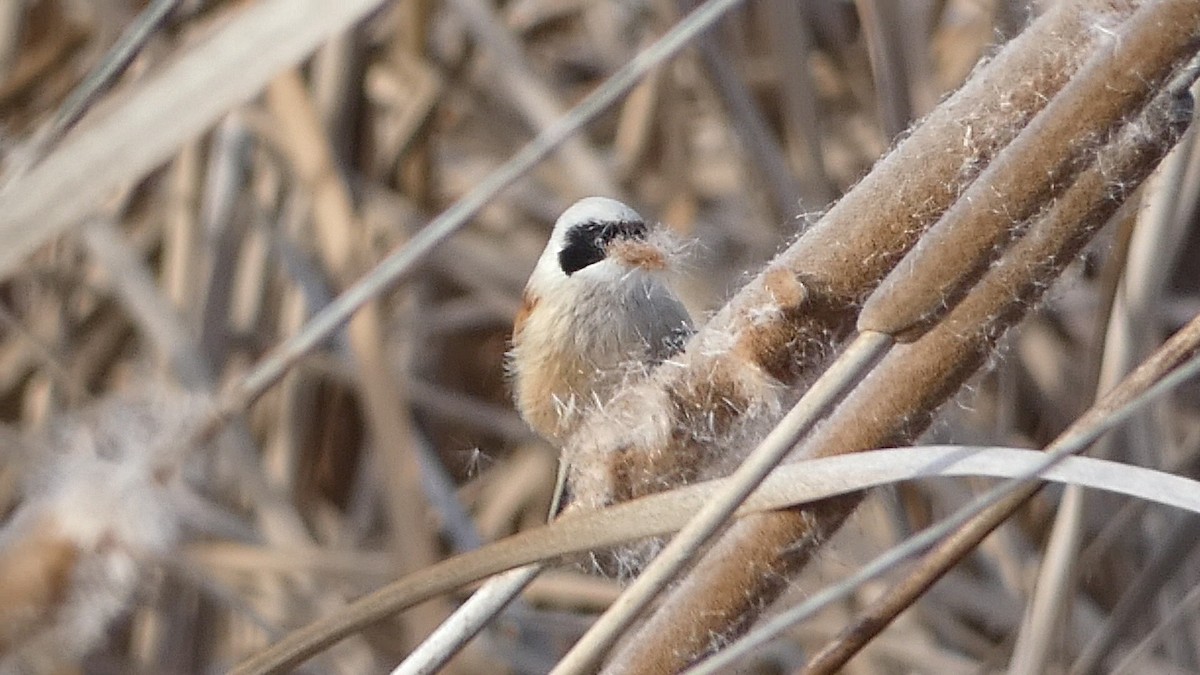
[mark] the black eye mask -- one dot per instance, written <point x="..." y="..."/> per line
<point x="585" y="243"/>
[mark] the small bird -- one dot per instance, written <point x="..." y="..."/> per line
<point x="597" y="311"/>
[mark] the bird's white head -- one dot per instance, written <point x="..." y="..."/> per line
<point x="597" y="240"/>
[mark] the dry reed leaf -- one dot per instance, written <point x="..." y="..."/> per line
<point x="141" y="127"/>
<point x="797" y="483"/>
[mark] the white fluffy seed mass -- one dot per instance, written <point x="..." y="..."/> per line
<point x="98" y="504"/>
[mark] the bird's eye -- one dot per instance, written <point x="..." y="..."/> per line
<point x="585" y="243"/>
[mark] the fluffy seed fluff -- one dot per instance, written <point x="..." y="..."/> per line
<point x="99" y="503"/>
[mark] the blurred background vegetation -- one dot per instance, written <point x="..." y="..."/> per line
<point x="399" y="447"/>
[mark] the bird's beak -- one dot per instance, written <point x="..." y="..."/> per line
<point x="638" y="254"/>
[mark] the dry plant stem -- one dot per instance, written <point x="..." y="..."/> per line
<point x="1187" y="201"/>
<point x="471" y="616"/>
<point x="135" y="286"/>
<point x="1130" y="327"/>
<point x="1174" y="548"/>
<point x="1040" y="161"/>
<point x="577" y="533"/>
<point x="455" y="407"/>
<point x="1184" y="610"/>
<point x="882" y="25"/>
<point x="280" y="456"/>
<point x="338" y="72"/>
<point x="141" y="128"/>
<point x="770" y="333"/>
<point x="1177" y="365"/>
<point x="1136" y="323"/>
<point x="75" y="390"/>
<point x="228" y="162"/>
<point x="101" y="78"/>
<point x="900" y="596"/>
<point x="337" y="226"/>
<point x="791" y="41"/>
<point x="635" y="124"/>
<point x="12" y="16"/>
<point x="531" y="97"/>
<point x="764" y="153"/>
<point x="1041" y="628"/>
<point x="841" y="376"/>
<point x="466" y="622"/>
<point x="402" y="144"/>
<point x="181" y="234"/>
<point x="895" y="402"/>
<point x="1132" y="324"/>
<point x="1052" y="597"/>
<point x="441" y="490"/>
<point x="866" y="232"/>
<point x="789" y="485"/>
